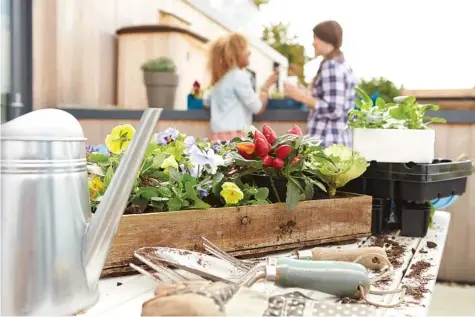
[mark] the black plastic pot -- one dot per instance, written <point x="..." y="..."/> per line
<point x="413" y="182"/>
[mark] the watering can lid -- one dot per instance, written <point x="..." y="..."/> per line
<point x="43" y="125"/>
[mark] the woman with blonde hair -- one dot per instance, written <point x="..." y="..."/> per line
<point x="332" y="90"/>
<point x="232" y="101"/>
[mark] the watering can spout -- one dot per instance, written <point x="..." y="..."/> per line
<point x="105" y="222"/>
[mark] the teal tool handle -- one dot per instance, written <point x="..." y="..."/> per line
<point x="337" y="282"/>
<point x="294" y="263"/>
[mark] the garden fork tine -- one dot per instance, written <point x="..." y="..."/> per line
<point x="172" y="274"/>
<point x="146" y="273"/>
<point x="215" y="250"/>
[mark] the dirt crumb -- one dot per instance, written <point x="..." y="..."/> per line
<point x="394" y="250"/>
<point x="431" y="245"/>
<point x="418" y="268"/>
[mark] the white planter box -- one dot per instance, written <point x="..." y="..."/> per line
<point x="395" y="145"/>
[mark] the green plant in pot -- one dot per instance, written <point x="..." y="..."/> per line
<point x="161" y="82"/>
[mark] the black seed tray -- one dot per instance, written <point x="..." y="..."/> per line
<point x="413" y="182"/>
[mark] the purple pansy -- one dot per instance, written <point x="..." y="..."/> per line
<point x="167" y="136"/>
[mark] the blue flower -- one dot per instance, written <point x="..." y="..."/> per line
<point x="216" y="147"/>
<point x="167" y="136"/>
<point x="203" y="193"/>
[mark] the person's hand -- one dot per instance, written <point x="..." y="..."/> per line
<point x="294" y="92"/>
<point x="271" y="80"/>
<point x="297" y="94"/>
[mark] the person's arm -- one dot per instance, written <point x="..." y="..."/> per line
<point x="256" y="103"/>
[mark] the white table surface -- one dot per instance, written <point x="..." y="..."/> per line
<point x="124" y="296"/>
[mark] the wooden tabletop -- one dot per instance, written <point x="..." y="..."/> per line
<point x="417" y="265"/>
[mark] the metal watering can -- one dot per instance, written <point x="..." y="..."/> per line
<point x="53" y="249"/>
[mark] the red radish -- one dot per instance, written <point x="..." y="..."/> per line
<point x="278" y="163"/>
<point x="283" y="151"/>
<point x="258" y="135"/>
<point x="295" y="130"/>
<point x="262" y="147"/>
<point x="267" y="161"/>
<point x="269" y="134"/>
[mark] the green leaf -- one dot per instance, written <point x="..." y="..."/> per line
<point x="98" y="158"/>
<point x="174" y="174"/>
<point x="158" y="160"/>
<point x="150" y="149"/>
<point x="408" y="100"/>
<point x="397" y="113"/>
<point x="293" y="194"/>
<point x="262" y="193"/>
<point x="164" y="191"/>
<point x="147" y="192"/>
<point x="199" y="204"/>
<point x="359" y="103"/>
<point x="190" y="192"/>
<point x="260" y="202"/>
<point x="429" y="107"/>
<point x="239" y="160"/>
<point x="187" y="178"/>
<point x="380" y="103"/>
<point x="437" y="120"/>
<point x="108" y="177"/>
<point x="174" y="204"/>
<point x="363" y="95"/>
<point x="308" y="190"/>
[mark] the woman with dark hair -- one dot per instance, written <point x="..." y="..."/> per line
<point x="332" y="94"/>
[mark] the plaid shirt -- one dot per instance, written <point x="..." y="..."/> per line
<point x="333" y="89"/>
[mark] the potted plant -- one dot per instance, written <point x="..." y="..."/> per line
<point x="395" y="132"/>
<point x="161" y="82"/>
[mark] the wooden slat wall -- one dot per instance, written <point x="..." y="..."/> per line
<point x="74" y="48"/>
<point x="454" y="99"/>
<point x="458" y="262"/>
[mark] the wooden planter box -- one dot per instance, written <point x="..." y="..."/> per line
<point x="242" y="230"/>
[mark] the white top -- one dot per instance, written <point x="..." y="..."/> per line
<point x="124" y="296"/>
<point x="232" y="102"/>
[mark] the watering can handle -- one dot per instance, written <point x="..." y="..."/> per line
<point x="338" y="282"/>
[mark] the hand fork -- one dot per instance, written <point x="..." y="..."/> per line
<point x="373" y="257"/>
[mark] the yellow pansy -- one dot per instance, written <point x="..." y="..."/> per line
<point x="231" y="193"/>
<point x="119" y="138"/>
<point x="95" y="186"/>
<point x="169" y="162"/>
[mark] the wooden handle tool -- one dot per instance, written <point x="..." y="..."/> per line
<point x="374" y="258"/>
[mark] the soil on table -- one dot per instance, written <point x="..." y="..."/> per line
<point x="431" y="245"/>
<point x="417" y="274"/>
<point x="394" y="250"/>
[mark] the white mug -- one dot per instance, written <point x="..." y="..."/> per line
<point x="292" y="80"/>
